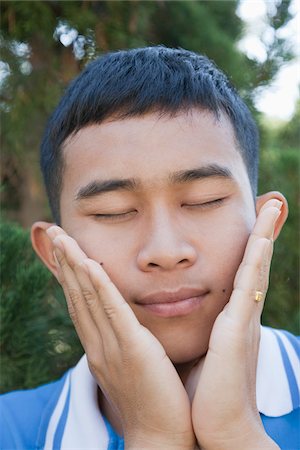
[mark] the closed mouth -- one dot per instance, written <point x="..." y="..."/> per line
<point x="173" y="303"/>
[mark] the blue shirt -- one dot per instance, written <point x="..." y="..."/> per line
<point x="65" y="414"/>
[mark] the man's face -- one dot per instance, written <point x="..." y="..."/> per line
<point x="166" y="205"/>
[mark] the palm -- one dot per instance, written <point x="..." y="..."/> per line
<point x="223" y="386"/>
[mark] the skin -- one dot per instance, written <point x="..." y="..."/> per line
<point x="162" y="234"/>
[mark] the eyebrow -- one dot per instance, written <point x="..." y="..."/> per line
<point x="210" y="171"/>
<point x="98" y="187"/>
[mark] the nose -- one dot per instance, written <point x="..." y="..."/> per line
<point x="165" y="247"/>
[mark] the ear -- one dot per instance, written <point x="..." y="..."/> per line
<point x="262" y="199"/>
<point x="42" y="244"/>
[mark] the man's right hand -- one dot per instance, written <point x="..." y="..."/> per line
<point x="127" y="361"/>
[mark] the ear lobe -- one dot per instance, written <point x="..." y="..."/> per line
<point x="262" y="199"/>
<point x="42" y="244"/>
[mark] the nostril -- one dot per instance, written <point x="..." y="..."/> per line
<point x="183" y="261"/>
<point x="152" y="265"/>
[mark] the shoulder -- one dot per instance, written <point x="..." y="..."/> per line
<point x="278" y="385"/>
<point x="64" y="414"/>
<point x="25" y="415"/>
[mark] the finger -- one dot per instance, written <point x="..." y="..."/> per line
<point x="249" y="257"/>
<point x="264" y="226"/>
<point x="272" y="202"/>
<point x="253" y="277"/>
<point x="92" y="303"/>
<point x="54" y="231"/>
<point x="78" y="310"/>
<point x="121" y="317"/>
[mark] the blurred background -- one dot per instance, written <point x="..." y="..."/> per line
<point x="44" y="44"/>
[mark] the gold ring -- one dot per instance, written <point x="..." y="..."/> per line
<point x="259" y="296"/>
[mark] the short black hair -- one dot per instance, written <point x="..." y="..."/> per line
<point x="133" y="82"/>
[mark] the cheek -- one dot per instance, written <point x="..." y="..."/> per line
<point x="100" y="244"/>
<point x="221" y="244"/>
<point x="113" y="254"/>
<point x="229" y="245"/>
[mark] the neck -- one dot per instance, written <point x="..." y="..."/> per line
<point x="184" y="369"/>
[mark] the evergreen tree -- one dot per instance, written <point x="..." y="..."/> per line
<point x="289" y="135"/>
<point x="280" y="171"/>
<point x="37" y="339"/>
<point x="39" y="66"/>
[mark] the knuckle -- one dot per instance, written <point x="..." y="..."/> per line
<point x="74" y="264"/>
<point x="110" y="311"/>
<point x="75" y="297"/>
<point x="94" y="362"/>
<point x="88" y="295"/>
<point x="72" y="315"/>
<point x="60" y="258"/>
<point x="102" y="288"/>
<point x="265" y="240"/>
<point x="90" y="299"/>
<point x="60" y="277"/>
<point x="117" y="309"/>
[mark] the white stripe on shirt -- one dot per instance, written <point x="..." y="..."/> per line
<point x="85" y="427"/>
<point x="54" y="421"/>
<point x="272" y="386"/>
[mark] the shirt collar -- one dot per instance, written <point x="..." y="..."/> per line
<point x="277" y="361"/>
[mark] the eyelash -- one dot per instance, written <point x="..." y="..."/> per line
<point x="209" y="204"/>
<point x="113" y="217"/>
<point x="120" y="216"/>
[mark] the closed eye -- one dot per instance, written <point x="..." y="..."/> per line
<point x="115" y="216"/>
<point x="209" y="204"/>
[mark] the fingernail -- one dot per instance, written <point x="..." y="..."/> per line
<point x="278" y="204"/>
<point x="278" y="213"/>
<point x="52" y="231"/>
<point x="276" y="216"/>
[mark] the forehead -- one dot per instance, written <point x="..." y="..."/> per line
<point x="150" y="148"/>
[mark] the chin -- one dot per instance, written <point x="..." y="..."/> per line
<point x="184" y="349"/>
<point x="185" y="339"/>
<point x="185" y="355"/>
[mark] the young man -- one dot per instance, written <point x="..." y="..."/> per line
<point x="163" y="251"/>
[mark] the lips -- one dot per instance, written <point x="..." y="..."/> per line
<point x="173" y="303"/>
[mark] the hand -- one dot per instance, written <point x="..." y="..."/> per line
<point x="127" y="361"/>
<point x="224" y="411"/>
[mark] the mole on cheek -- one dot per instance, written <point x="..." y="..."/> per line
<point x="224" y="290"/>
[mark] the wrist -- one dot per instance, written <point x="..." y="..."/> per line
<point x="158" y="441"/>
<point x="246" y="435"/>
<point x="157" y="445"/>
<point x="252" y="442"/>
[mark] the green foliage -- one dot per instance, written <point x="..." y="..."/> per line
<point x="206" y="27"/>
<point x="38" y="342"/>
<point x="280" y="171"/>
<point x="289" y="135"/>
<point x="40" y="67"/>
